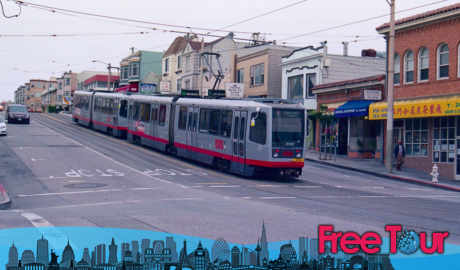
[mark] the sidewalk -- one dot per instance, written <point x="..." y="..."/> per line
<point x="372" y="167"/>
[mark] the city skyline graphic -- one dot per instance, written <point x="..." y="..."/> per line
<point x="161" y="254"/>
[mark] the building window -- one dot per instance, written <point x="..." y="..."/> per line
<point x="67" y="81"/>
<point x="444" y="139"/>
<point x="257" y="75"/>
<point x="397" y="67"/>
<point x="125" y="73"/>
<point x="135" y="70"/>
<point x="311" y="82"/>
<point x="179" y="85"/>
<point x="240" y="76"/>
<point x="416" y="139"/>
<point x="187" y="84"/>
<point x="458" y="61"/>
<point x="295" y="86"/>
<point x="179" y="62"/>
<point x="38" y="85"/>
<point x="166" y="65"/>
<point x="60" y="85"/>
<point x="443" y="61"/>
<point x="423" y="61"/>
<point x="409" y="67"/>
<point x="187" y="62"/>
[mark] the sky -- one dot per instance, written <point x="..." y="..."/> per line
<point x="29" y="51"/>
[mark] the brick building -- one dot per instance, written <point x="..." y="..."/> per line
<point x="427" y="90"/>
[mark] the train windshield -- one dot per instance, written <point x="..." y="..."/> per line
<point x="288" y="128"/>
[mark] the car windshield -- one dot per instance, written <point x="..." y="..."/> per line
<point x="18" y="109"/>
<point x="288" y="128"/>
<point x="1" y="119"/>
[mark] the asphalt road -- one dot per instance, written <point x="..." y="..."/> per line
<point x="61" y="174"/>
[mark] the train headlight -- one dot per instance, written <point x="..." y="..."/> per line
<point x="298" y="153"/>
<point x="276" y="153"/>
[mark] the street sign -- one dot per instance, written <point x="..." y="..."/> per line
<point x="165" y="86"/>
<point x="148" y="88"/>
<point x="234" y="90"/>
<point x="216" y="93"/>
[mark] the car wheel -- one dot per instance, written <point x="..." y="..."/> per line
<point x="28" y="122"/>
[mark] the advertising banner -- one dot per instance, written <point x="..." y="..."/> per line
<point x="148" y="88"/>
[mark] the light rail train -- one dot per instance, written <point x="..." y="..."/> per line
<point x="242" y="136"/>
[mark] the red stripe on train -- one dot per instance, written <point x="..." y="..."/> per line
<point x="148" y="136"/>
<point x="252" y="162"/>
<point x="109" y="125"/>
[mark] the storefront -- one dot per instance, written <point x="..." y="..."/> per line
<point x="429" y="129"/>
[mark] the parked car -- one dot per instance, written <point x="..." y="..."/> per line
<point x="2" y="126"/>
<point x="17" y="113"/>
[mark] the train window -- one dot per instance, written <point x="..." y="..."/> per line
<point x="204" y="113"/>
<point x="130" y="111"/>
<point x="136" y="111"/>
<point x="189" y="126"/>
<point x="124" y="108"/>
<point x="235" y="131"/>
<point x="162" y="115"/>
<point x="214" y="122"/>
<point x="153" y="114"/>
<point x="243" y="123"/>
<point x="258" y="132"/>
<point x="110" y="106"/>
<point x="182" y="117"/>
<point x="226" y="124"/>
<point x="104" y="105"/>
<point x="156" y="115"/>
<point x="195" y="119"/>
<point x="147" y="113"/>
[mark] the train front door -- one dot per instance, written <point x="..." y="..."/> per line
<point x="192" y="128"/>
<point x="238" y="141"/>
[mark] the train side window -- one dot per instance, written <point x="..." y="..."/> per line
<point x="162" y="115"/>
<point x="147" y="113"/>
<point x="124" y="108"/>
<point x="235" y="131"/>
<point x="195" y="120"/>
<point x="152" y="114"/>
<point x="214" y="122"/>
<point x="110" y="107"/>
<point x="204" y="116"/>
<point x="226" y="124"/>
<point x="131" y="111"/>
<point x="136" y="111"/>
<point x="258" y="132"/>
<point x="182" y="117"/>
<point x="156" y="115"/>
<point x="243" y="123"/>
<point x="141" y="111"/>
<point x="189" y="126"/>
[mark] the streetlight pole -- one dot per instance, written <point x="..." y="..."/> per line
<point x="390" y="97"/>
<point x="109" y="68"/>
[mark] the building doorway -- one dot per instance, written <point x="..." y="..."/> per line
<point x="398" y="134"/>
<point x="343" y="136"/>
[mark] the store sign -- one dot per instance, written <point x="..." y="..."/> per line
<point x="372" y="95"/>
<point x="234" y="90"/>
<point x="148" y="88"/>
<point x="165" y="86"/>
<point x="190" y="93"/>
<point x="410" y="109"/>
<point x="216" y="93"/>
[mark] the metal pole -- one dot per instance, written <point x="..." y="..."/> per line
<point x="108" y="83"/>
<point x="201" y="66"/>
<point x="390" y="97"/>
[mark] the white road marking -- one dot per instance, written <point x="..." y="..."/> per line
<point x="308" y="186"/>
<point x="211" y="183"/>
<point x="224" y="186"/>
<point x="375" y="187"/>
<point x="274" y="198"/>
<point x="143" y="188"/>
<point x="54" y="236"/>
<point x="182" y="199"/>
<point x="245" y="197"/>
<point x="111" y="159"/>
<point x="36" y="159"/>
<point x="72" y="192"/>
<point x="52" y="177"/>
<point x="270" y="186"/>
<point x="370" y="196"/>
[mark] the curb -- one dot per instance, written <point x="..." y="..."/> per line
<point x="4" y="205"/>
<point x="390" y="177"/>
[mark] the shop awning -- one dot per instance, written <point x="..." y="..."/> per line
<point x="353" y="108"/>
<point x="122" y="89"/>
<point x="418" y="107"/>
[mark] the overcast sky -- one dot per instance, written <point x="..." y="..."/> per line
<point x="28" y="57"/>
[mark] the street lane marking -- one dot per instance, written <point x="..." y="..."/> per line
<point x="143" y="188"/>
<point x="111" y="159"/>
<point x="224" y="186"/>
<point x="375" y="187"/>
<point x="55" y="119"/>
<point x="211" y="183"/>
<point x="182" y="199"/>
<point x="308" y="186"/>
<point x="372" y="196"/>
<point x="36" y="159"/>
<point x="52" y="177"/>
<point x="274" y="198"/>
<point x="270" y="186"/>
<point x="72" y="192"/>
<point x="245" y="197"/>
<point x="76" y="181"/>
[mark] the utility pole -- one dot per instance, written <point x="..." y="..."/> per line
<point x="201" y="65"/>
<point x="109" y="75"/>
<point x="390" y="97"/>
